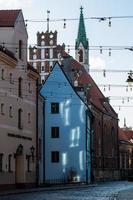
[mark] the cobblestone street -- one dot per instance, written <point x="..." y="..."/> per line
<point x="101" y="191"/>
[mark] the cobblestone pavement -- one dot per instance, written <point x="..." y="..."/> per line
<point x="102" y="191"/>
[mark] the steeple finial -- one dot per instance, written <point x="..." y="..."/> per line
<point x="81" y="9"/>
<point x="48" y="11"/>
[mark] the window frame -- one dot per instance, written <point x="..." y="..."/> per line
<point x="54" y="108"/>
<point x="55" y="132"/>
<point x="20" y="118"/>
<point x="55" y="157"/>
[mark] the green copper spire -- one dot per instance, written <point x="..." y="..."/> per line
<point x="81" y="32"/>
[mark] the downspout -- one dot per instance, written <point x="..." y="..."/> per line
<point x="88" y="148"/>
<point x="37" y="159"/>
<point x="102" y="144"/>
<point x="86" y="144"/>
<point x="43" y="154"/>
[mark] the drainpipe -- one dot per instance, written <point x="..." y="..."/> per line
<point x="43" y="153"/>
<point x="88" y="148"/>
<point x="102" y="144"/>
<point x="87" y="163"/>
<point x="37" y="158"/>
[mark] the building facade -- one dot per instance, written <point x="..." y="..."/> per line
<point x="126" y="153"/>
<point x="43" y="56"/>
<point x="104" y="126"/>
<point x="66" y="135"/>
<point x="17" y="103"/>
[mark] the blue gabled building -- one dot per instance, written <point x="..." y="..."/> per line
<point x="66" y="133"/>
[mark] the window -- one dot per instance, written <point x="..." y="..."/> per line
<point x="1" y="162"/>
<point x="9" y="162"/>
<point x="20" y="87"/>
<point x="28" y="157"/>
<point x="2" y="74"/>
<point x="80" y="53"/>
<point x="55" y="156"/>
<point x="20" y="49"/>
<point x="20" y="118"/>
<point x="55" y="132"/>
<point x="10" y="78"/>
<point x="29" y="118"/>
<point x="54" y="107"/>
<point x="43" y="68"/>
<point x="2" y="108"/>
<point x="10" y="111"/>
<point x="29" y="88"/>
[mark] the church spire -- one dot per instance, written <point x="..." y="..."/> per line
<point x="81" y="38"/>
<point x="82" y="44"/>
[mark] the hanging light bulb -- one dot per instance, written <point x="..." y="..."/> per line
<point x="109" y="21"/>
<point x="64" y="25"/>
<point x="127" y="99"/>
<point x="119" y="108"/>
<point x="127" y="89"/>
<point x="123" y="100"/>
<point x="101" y="50"/>
<point x="109" y="51"/>
<point x="131" y="88"/>
<point x="109" y="87"/>
<point x="104" y="73"/>
<point x="104" y="88"/>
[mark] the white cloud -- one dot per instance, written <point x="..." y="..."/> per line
<point x="97" y="62"/>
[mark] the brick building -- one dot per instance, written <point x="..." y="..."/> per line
<point x="46" y="53"/>
<point x="126" y="152"/>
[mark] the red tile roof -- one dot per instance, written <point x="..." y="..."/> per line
<point x="125" y="134"/>
<point x="8" y="17"/>
<point x="95" y="96"/>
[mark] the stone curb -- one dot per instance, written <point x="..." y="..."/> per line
<point x="42" y="189"/>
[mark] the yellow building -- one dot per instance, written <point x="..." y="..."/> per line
<point x="17" y="103"/>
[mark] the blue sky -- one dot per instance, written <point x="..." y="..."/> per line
<point x="99" y="34"/>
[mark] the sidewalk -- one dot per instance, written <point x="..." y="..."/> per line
<point x="125" y="195"/>
<point x="42" y="189"/>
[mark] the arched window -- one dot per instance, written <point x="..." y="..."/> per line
<point x="29" y="118"/>
<point x="2" y="74"/>
<point x="20" y="118"/>
<point x="20" y="87"/>
<point x="20" y="49"/>
<point x="10" y="77"/>
<point x="10" y="112"/>
<point x="80" y="53"/>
